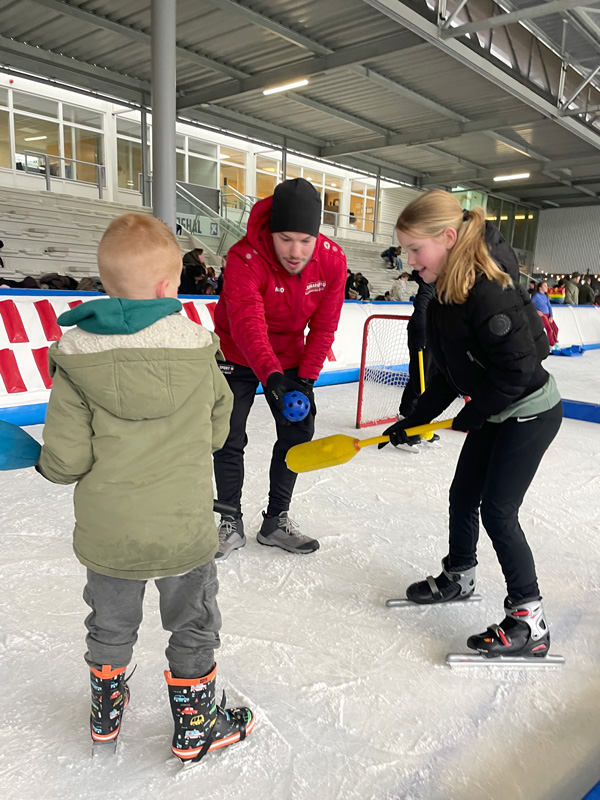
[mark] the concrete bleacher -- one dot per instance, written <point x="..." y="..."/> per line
<point x="364" y="257"/>
<point x="47" y="232"/>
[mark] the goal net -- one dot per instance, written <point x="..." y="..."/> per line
<point x="384" y="371"/>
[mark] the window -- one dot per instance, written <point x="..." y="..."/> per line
<point x="34" y="104"/>
<point x="267" y="165"/>
<point x="202" y="148"/>
<point x="233" y="176"/>
<point x="231" y="156"/>
<point x="520" y="233"/>
<point x="332" y="199"/>
<point x="129" y="127"/>
<point x="292" y="171"/>
<point x="493" y="207"/>
<point x="82" y="146"/>
<point x="129" y="163"/>
<point x="4" y="140"/>
<point x="3" y="96"/>
<point x="180" y="167"/>
<point x="202" y="172"/>
<point x="265" y="184"/>
<point x="533" y="218"/>
<point x="507" y="220"/>
<point x="82" y="116"/>
<point x="36" y="136"/>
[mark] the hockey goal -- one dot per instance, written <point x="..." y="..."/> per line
<point x="384" y="371"/>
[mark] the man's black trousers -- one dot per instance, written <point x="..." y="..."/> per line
<point x="496" y="466"/>
<point x="229" y="462"/>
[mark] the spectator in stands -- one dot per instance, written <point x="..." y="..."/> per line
<point x="349" y="292"/>
<point x="1" y="260"/>
<point x="392" y="256"/>
<point x="194" y="258"/>
<point x="221" y="277"/>
<point x="56" y="282"/>
<point x="404" y="288"/>
<point x="542" y="303"/>
<point x="193" y="280"/>
<point x="361" y="286"/>
<point x="532" y="286"/>
<point x="383" y="298"/>
<point x="587" y="296"/>
<point x="211" y="279"/>
<point x="572" y="289"/>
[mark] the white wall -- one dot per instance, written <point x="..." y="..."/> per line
<point x="393" y="200"/>
<point x="568" y="240"/>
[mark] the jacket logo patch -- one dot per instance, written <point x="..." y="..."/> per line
<point x="280" y="289"/>
<point x="500" y="324"/>
<point x="315" y="286"/>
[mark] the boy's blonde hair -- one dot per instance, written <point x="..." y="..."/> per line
<point x="427" y="217"/>
<point x="137" y="251"/>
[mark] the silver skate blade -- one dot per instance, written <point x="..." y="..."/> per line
<point x="402" y="602"/>
<point x="104" y="749"/>
<point x="479" y="660"/>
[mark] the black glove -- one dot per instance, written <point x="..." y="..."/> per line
<point x="277" y="385"/>
<point x="307" y="389"/>
<point x="397" y="433"/>
<point x="468" y="418"/>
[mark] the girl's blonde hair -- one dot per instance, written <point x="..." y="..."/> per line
<point x="427" y="217"/>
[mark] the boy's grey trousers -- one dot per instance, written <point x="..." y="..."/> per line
<point x="188" y="609"/>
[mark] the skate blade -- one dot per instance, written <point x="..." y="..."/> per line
<point x="479" y="660"/>
<point x="104" y="749"/>
<point x="402" y="602"/>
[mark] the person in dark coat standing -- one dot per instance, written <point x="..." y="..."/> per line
<point x="282" y="277"/>
<point x="488" y="343"/>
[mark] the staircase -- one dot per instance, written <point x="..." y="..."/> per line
<point x="364" y="257"/>
<point x="49" y="232"/>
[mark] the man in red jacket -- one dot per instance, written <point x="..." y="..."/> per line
<point x="281" y="277"/>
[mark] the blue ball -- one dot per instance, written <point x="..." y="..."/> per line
<point x="296" y="406"/>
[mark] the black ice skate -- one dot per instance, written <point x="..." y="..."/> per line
<point x="110" y="696"/>
<point x="449" y="586"/>
<point x="200" y="724"/>
<point x="521" y="639"/>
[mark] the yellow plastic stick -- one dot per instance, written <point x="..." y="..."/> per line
<point x="333" y="450"/>
<point x="428" y="434"/>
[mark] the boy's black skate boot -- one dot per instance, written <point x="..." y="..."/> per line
<point x="110" y="696"/>
<point x="200" y="724"/>
<point x="450" y="584"/>
<point x="523" y="632"/>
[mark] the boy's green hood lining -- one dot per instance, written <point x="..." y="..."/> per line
<point x="117" y="315"/>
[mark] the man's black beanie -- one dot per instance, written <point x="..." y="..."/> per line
<point x="296" y="208"/>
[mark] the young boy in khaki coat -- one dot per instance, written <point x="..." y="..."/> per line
<point x="138" y="406"/>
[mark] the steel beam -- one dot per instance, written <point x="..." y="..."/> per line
<point x="136" y="35"/>
<point x="415" y="22"/>
<point x="439" y="133"/>
<point x="501" y="20"/>
<point x="297" y="70"/>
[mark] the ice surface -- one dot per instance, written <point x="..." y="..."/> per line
<point x="353" y="699"/>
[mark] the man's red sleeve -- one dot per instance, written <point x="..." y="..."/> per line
<point x="323" y="323"/>
<point x="246" y="312"/>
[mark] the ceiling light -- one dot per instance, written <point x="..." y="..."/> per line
<point x="285" y="87"/>
<point x="269" y="169"/>
<point x="333" y="185"/>
<point x="222" y="155"/>
<point x="516" y="177"/>
<point x="503" y="218"/>
<point x="520" y="216"/>
<point x="34" y="138"/>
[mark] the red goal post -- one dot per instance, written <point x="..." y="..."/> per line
<point x="384" y="371"/>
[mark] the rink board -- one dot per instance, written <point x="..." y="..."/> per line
<point x="28" y="327"/>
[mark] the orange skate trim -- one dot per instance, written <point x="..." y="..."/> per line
<point x="190" y="681"/>
<point x="186" y="755"/>
<point x="106" y="671"/>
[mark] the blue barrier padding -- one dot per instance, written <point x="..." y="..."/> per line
<point x="24" y="415"/>
<point x="52" y="293"/>
<point x="588" y="412"/>
<point x="594" y="794"/>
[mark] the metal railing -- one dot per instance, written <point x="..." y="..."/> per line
<point x="46" y="172"/>
<point x="229" y="232"/>
<point x="349" y="223"/>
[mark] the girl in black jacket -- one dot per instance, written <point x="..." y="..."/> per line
<point x="488" y="343"/>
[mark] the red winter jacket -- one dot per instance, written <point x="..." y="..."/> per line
<point x="263" y="310"/>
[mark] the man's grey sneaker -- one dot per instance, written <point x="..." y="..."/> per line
<point x="231" y="536"/>
<point x="281" y="531"/>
